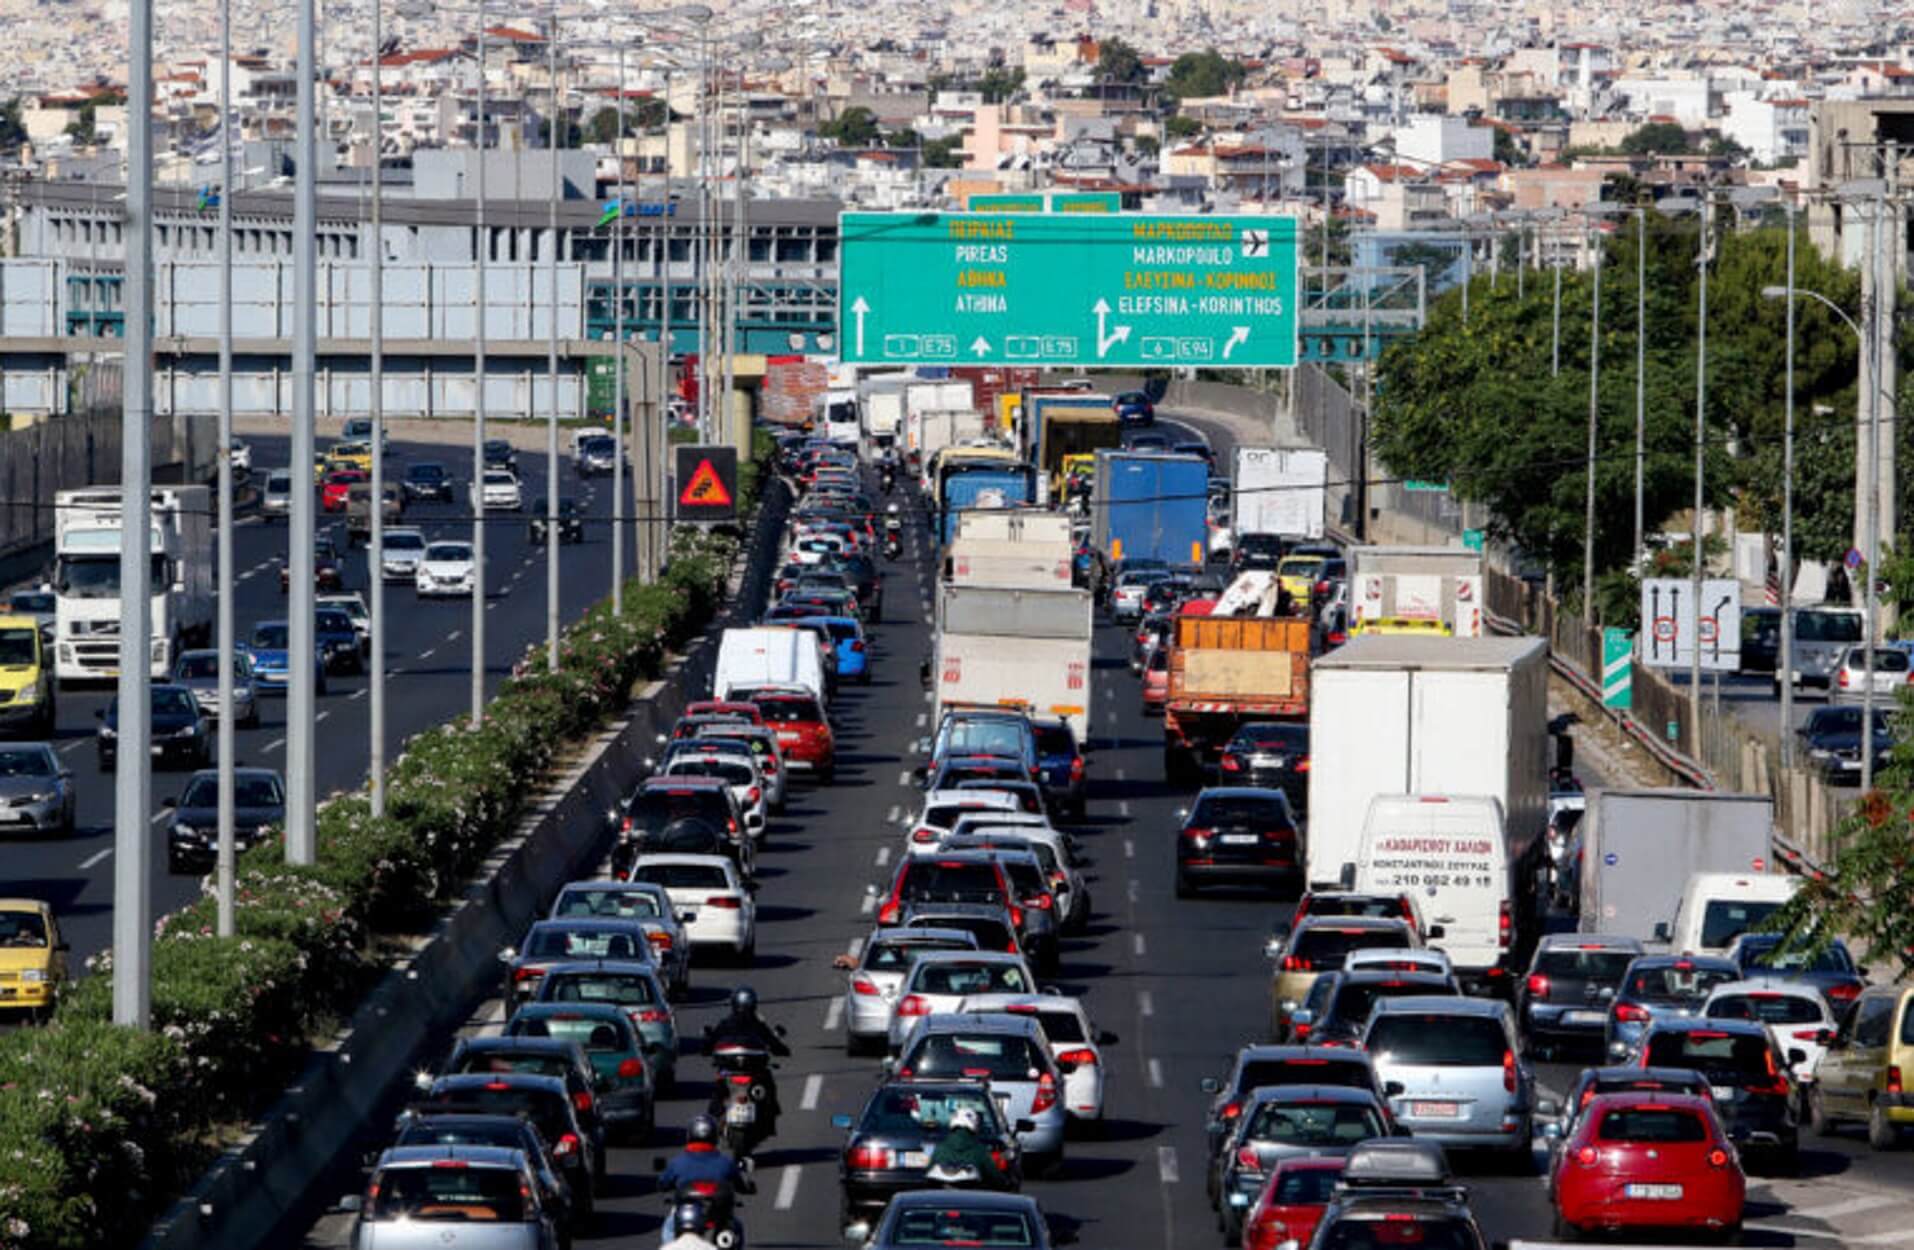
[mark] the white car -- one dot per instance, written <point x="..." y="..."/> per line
<point x="940" y="980"/>
<point x="1075" y="1043"/>
<point x="353" y="604"/>
<point x="762" y="742"/>
<point x="736" y="769"/>
<point x="404" y="549"/>
<point x="447" y="568"/>
<point x="1794" y="1015"/>
<point x="499" y="488"/>
<point x="876" y="973"/>
<point x="942" y="809"/>
<point x="715" y="903"/>
<point x="1419" y="959"/>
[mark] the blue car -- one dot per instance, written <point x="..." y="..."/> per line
<point x="1134" y="408"/>
<point x="853" y="657"/>
<point x="1062" y="762"/>
<point x="338" y="641"/>
<point x="271" y="670"/>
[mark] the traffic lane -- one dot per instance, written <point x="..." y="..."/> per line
<point x="428" y="664"/>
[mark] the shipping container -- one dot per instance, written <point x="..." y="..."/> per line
<point x="1225" y="671"/>
<point x="1021" y="548"/>
<point x="1149" y="506"/>
<point x="1027" y="649"/>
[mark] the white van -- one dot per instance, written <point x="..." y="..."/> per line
<point x="841" y="423"/>
<point x="768" y="656"/>
<point x="1450" y="854"/>
<point x="1718" y="907"/>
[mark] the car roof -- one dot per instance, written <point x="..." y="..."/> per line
<point x="1266" y="1052"/>
<point x="1455" y="1005"/>
<point x="426" y="1156"/>
<point x="1770" y="985"/>
<point x="213" y="773"/>
<point x="966" y="1199"/>
<point x="926" y="933"/>
<point x="1240" y="792"/>
<point x="978" y="1022"/>
<point x="1314" y="1093"/>
<point x="682" y="858"/>
<point x="1589" y="942"/>
<point x="527" y="1080"/>
<point x="1378" y="923"/>
<point x="989" y="957"/>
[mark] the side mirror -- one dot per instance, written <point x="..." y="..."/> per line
<point x="1182" y="813"/>
<point x="1860" y="969"/>
<point x="686" y="917"/>
<point x="422" y="1079"/>
<point x="1552" y="1130"/>
<point x="1826" y="1037"/>
<point x="1617" y="1049"/>
<point x="1437" y="932"/>
<point x="920" y="776"/>
<point x="1210" y="1085"/>
<point x="778" y="1029"/>
<point x="169" y="802"/>
<point x="1393" y="1089"/>
<point x="841" y="1121"/>
<point x="507" y="954"/>
<point x="1797" y="1055"/>
<point x="1662" y="932"/>
<point x="857" y="1234"/>
<point x="63" y="946"/>
<point x="353" y="1202"/>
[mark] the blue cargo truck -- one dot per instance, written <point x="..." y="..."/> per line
<point x="1149" y="506"/>
<point x="982" y="484"/>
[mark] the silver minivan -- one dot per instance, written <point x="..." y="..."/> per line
<point x="276" y="499"/>
<point x="456" y="1197"/>
<point x="1010" y="1052"/>
<point x="1453" y="1071"/>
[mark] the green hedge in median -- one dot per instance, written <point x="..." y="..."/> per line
<point x="100" y="1126"/>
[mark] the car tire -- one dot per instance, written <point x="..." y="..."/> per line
<point x="1565" y="1231"/>
<point x="175" y="865"/>
<point x="1882" y="1134"/>
<point x="1819" y="1122"/>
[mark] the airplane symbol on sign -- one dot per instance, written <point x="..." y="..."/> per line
<point x="1255" y="242"/>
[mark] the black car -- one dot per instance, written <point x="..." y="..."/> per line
<point x="1571" y="981"/>
<point x="427" y="480"/>
<point x="681" y="816"/>
<point x="966" y="1217"/>
<point x="1752" y="1088"/>
<point x="1760" y="639"/>
<point x="1399" y="1193"/>
<point x="1831" y="739"/>
<point x="328" y="573"/>
<point x="1238" y="835"/>
<point x="887" y="1147"/>
<point x="499" y="454"/>
<point x="1272" y="755"/>
<point x="436" y="1127"/>
<point x="550" y="943"/>
<point x="177" y="729"/>
<point x="1263" y="1065"/>
<point x="1349" y="996"/>
<point x="571" y="522"/>
<point x="1197" y="448"/>
<point x="1064" y="766"/>
<point x="1255" y="552"/>
<point x="547" y="1101"/>
<point x="192" y="840"/>
<point x="989" y="923"/>
<point x="860" y="572"/>
<point x="534" y="1056"/>
<point x="1831" y="970"/>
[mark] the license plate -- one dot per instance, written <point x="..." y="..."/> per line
<point x="915" y="1158"/>
<point x="1268" y="761"/>
<point x="1660" y="1193"/>
<point x="1723" y="1093"/>
<point x="788" y="737"/>
<point x="1435" y="1110"/>
<point x="1239" y="839"/>
<point x="741" y="1113"/>
<point x="1584" y="1017"/>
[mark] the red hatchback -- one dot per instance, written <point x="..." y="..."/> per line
<point x="1648" y="1161"/>
<point x="720" y="707"/>
<point x="1292" y="1202"/>
<point x="332" y="497"/>
<point x="803" y="734"/>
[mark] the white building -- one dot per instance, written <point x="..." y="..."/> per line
<point x="1431" y="140"/>
<point x="1771" y="130"/>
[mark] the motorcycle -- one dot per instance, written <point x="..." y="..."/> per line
<point x="890" y="481"/>
<point x="893" y="538"/>
<point x="703" y="1195"/>
<point x="745" y="1095"/>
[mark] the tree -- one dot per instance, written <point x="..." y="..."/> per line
<point x="999" y="84"/>
<point x="945" y="153"/>
<point x="1730" y="149"/>
<point x="905" y="138"/>
<point x="1508" y="149"/>
<point x="12" y="132"/>
<point x="855" y="127"/>
<point x="1148" y="145"/>
<point x="82" y="127"/>
<point x="1207" y="73"/>
<point x="1654" y="138"/>
<point x="1182" y="127"/>
<point x="1118" y="62"/>
<point x="603" y="127"/>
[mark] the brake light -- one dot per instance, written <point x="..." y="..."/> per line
<point x="1231" y="1110"/>
<point x="1630" y="1013"/>
<point x="724" y="902"/>
<point x="1807" y="1035"/>
<point x="1248" y="1160"/>
<point x="1298" y="963"/>
<point x="1042" y="902"/>
<point x="887" y="914"/>
<point x="450" y="1164"/>
<point x="1504" y="926"/>
<point x="625" y="825"/>
<point x="1231" y="764"/>
<point x="1894" y="1078"/>
<point x="914" y="1005"/>
<point x="1076" y="768"/>
<point x="566" y="1146"/>
<point x="753" y="794"/>
<point x="1046" y="1094"/>
<point x="1197" y="835"/>
<point x="741" y="1078"/>
<point x="1844" y="993"/>
<point x="631" y="1069"/>
<point x="924" y="836"/>
<point x="858" y="647"/>
<point x="662" y="940"/>
<point x="1538" y="985"/>
<point x="582" y="1100"/>
<point x="1508" y="1071"/>
<point x="872" y="1158"/>
<point x="705" y="1189"/>
<point x="1078" y="1057"/>
<point x="654" y="1015"/>
<point x="1588" y="1156"/>
<point x="1844" y="679"/>
<point x="527" y="974"/>
<point x="1301" y="1031"/>
<point x="1717" y="1158"/>
<point x="1016" y="916"/>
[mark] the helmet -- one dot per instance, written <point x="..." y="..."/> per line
<point x="964" y="1117"/>
<point x="702" y="1129"/>
<point x="688" y="1218"/>
<point x="744" y="1001"/>
<point x="892" y="510"/>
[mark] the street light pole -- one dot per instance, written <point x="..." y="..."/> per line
<point x="1555" y="339"/>
<point x="1594" y="411"/>
<point x="223" y="867"/>
<point x="551" y="361"/>
<point x="618" y="365"/>
<point x="1641" y="373"/>
<point x="1880" y="308"/>
<point x="477" y="503"/>
<point x="1787" y="525"/>
<point x="375" y="560"/>
<point x="301" y="679"/>
<point x="1701" y="444"/>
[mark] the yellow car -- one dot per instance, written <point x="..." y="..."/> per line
<point x="349" y="455"/>
<point x="1299" y="572"/>
<point x="1860" y="1077"/>
<point x="32" y="956"/>
<point x="26" y="679"/>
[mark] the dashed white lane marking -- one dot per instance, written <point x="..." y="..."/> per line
<point x="1156" y="1074"/>
<point x="1166" y="1165"/>
<point x="868" y="906"/>
<point x="321" y="716"/>
<point x="1129" y="848"/>
<point x="903" y="777"/>
<point x="1135" y="891"/>
<point x="357" y="694"/>
<point x="922" y="719"/>
<point x="833" y="1014"/>
<point x="90" y="861"/>
<point x="275" y="744"/>
<point x="73" y="746"/>
<point x="1145" y="1005"/>
<point x="883" y="856"/>
<point x="1123" y="807"/>
<point x="1136" y="943"/>
<point x="1121" y="776"/>
<point x="890" y="817"/>
<point x="158" y="816"/>
<point x="855" y="948"/>
<point x="1853" y="1206"/>
<point x="428" y="653"/>
<point x="453" y="636"/>
<point x="788" y="1188"/>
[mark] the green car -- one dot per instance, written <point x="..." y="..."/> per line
<point x="616" y="1052"/>
<point x="637" y="990"/>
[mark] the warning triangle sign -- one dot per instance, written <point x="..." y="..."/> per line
<point x="705" y="489"/>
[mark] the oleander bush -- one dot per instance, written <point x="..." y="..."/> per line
<point x="100" y="1126"/>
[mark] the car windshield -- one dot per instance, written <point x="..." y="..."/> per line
<point x="1767" y="953"/>
<point x="270" y="637"/>
<point x="1886" y="660"/>
<point x="1656" y="1124"/>
<point x="34" y="761"/>
<point x="1315" y="1123"/>
<point x="983" y="737"/>
<point x="500" y="477"/>
<point x="900" y="1109"/>
<point x="1676" y="983"/>
<point x="1305" y="1187"/>
<point x="734" y="772"/>
<point x="425" y="473"/>
<point x="1426" y="1039"/>
<point x="949" y="1224"/>
<point x="1766" y="1006"/>
<point x="897" y="955"/>
<point x="555" y="942"/>
<point x="1725" y="919"/>
<point x="22" y="929"/>
<point x="333" y="622"/>
<point x="398" y="541"/>
<point x="1718" y="1053"/>
<point x="1355" y="998"/>
<point x="783" y="711"/>
<point x="448" y="553"/>
<point x="656" y="808"/>
<point x="1810" y="626"/>
<point x="962" y="979"/>
<point x="999" y="1056"/>
<point x="1311" y="1071"/>
<point x="196" y="667"/>
<point x="683" y="876"/>
<point x="248" y="791"/>
<point x="610" y="903"/>
<point x="621" y="989"/>
<point x="460" y="1195"/>
<point x="592" y="1032"/>
<point x="1596" y="965"/>
<point x="174" y="702"/>
<point x="1213" y="811"/>
<point x="1323" y="946"/>
<point x="499" y="1062"/>
<point x="1272" y="738"/>
<point x="1400" y="1231"/>
<point x="950" y="881"/>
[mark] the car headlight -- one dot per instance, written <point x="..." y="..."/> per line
<point x="26" y="694"/>
<point x="186" y="731"/>
<point x="185" y="831"/>
<point x="107" y="731"/>
<point x="33" y="975"/>
<point x="47" y="797"/>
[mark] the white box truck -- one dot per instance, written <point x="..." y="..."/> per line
<point x="1416" y="590"/>
<point x="768" y="656"/>
<point x="1021" y="549"/>
<point x="1011" y="647"/>
<point x="884" y="414"/>
<point x="86" y="580"/>
<point x="1404" y="715"/>
<point x="1640" y="847"/>
<point x="1277" y="491"/>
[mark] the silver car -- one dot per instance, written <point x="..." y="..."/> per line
<point x="404" y="551"/>
<point x="1287" y="1122"/>
<point x="1452" y="1070"/>
<point x="36" y="790"/>
<point x="875" y="976"/>
<point x="1850" y="681"/>
<point x="474" y="1197"/>
<point x="198" y="671"/>
<point x="276" y="499"/>
<point x="939" y="980"/>
<point x="1010" y="1051"/>
<point x="643" y="902"/>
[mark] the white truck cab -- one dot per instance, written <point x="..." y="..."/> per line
<point x="1718" y="907"/>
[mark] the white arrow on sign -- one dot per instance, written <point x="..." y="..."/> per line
<point x="1106" y="341"/>
<point x="981" y="347"/>
<point x="1238" y="335"/>
<point x="858" y="309"/>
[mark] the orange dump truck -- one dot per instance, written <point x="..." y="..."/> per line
<point x="1226" y="671"/>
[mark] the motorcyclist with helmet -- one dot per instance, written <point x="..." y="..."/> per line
<point x="962" y="1150"/>
<point x="703" y="1172"/>
<point x="744" y="1027"/>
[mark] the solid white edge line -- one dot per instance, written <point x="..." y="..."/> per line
<point x="883" y="856"/>
<point x="1166" y="1165"/>
<point x="1136" y="943"/>
<point x="1145" y="1005"/>
<point x="1156" y="1074"/>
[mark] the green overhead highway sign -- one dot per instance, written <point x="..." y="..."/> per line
<point x="1082" y="289"/>
<point x="1006" y="204"/>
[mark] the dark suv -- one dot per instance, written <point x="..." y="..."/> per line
<point x="1571" y="981"/>
<point x="1752" y="1088"/>
<point x="427" y="480"/>
<point x="1238" y="835"/>
<point x="1061" y="759"/>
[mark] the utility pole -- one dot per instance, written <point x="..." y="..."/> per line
<point x="301" y="680"/>
<point x="1555" y="340"/>
<point x="1786" y="665"/>
<point x="1641" y="371"/>
<point x="477" y="503"/>
<point x="1701" y="449"/>
<point x="618" y="362"/>
<point x="1880" y="309"/>
<point x="1594" y="415"/>
<point x="551" y="360"/>
<point x="225" y="846"/>
<point x="133" y="782"/>
<point x="375" y="559"/>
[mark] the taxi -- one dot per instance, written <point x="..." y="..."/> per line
<point x="26" y="678"/>
<point x="32" y="956"/>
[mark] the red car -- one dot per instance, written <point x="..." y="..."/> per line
<point x="1292" y="1202"/>
<point x="1156" y="680"/>
<point x="803" y="734"/>
<point x="1648" y="1161"/>
<point x="332" y="497"/>
<point x="720" y="707"/>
